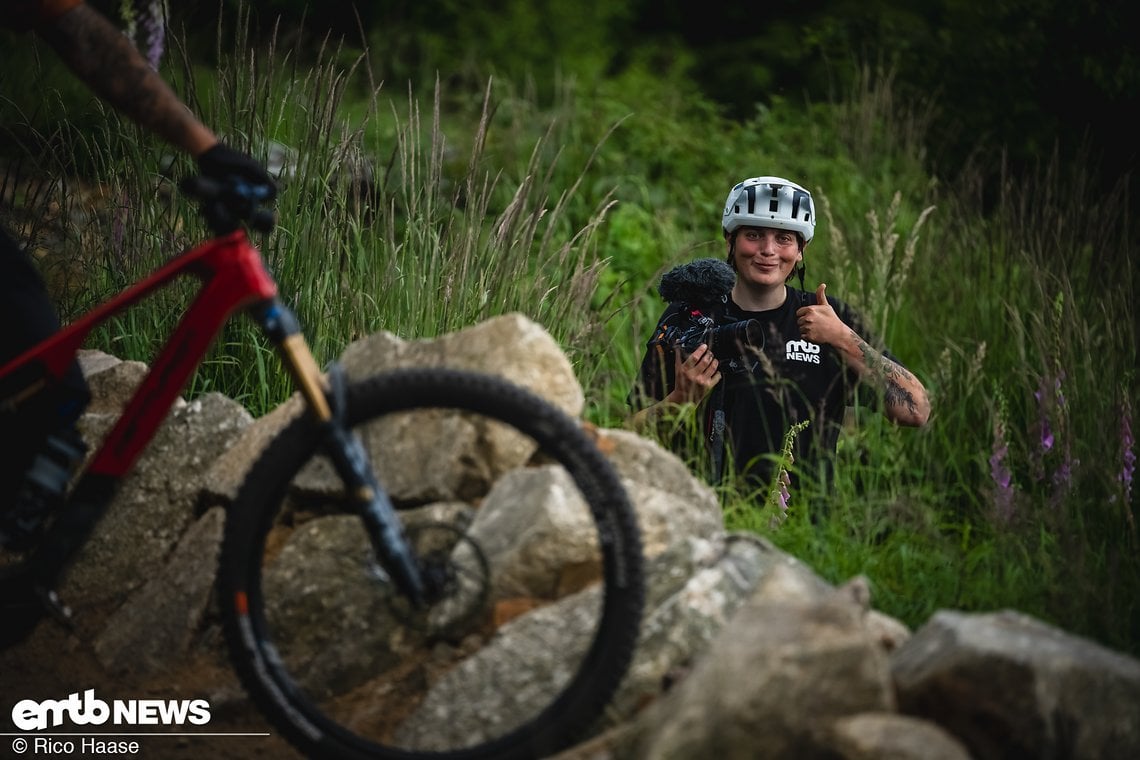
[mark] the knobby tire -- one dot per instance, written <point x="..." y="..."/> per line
<point x="263" y="663"/>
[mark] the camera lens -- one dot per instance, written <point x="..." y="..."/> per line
<point x="737" y="339"/>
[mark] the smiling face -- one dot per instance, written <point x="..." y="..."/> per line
<point x="764" y="257"/>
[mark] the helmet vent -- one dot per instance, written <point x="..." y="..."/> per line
<point x="789" y="206"/>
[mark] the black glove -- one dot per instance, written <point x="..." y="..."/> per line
<point x="225" y="164"/>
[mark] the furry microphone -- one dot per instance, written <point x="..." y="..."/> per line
<point x="701" y="285"/>
<point x="703" y="281"/>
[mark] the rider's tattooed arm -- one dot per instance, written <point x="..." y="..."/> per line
<point x="107" y="62"/>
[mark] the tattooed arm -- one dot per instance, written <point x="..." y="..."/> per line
<point x="904" y="396"/>
<point x="106" y="61"/>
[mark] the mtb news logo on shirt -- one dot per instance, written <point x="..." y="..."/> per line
<point x="30" y="715"/>
<point x="802" y="351"/>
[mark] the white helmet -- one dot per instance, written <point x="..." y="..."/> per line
<point x="770" y="202"/>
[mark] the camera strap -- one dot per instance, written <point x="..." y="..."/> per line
<point x="717" y="421"/>
<point x="717" y="428"/>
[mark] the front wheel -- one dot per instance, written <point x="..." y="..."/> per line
<point x="522" y="528"/>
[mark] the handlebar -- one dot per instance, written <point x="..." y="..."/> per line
<point x="228" y="205"/>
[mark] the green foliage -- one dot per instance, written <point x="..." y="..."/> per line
<point x="424" y="209"/>
<point x="521" y="40"/>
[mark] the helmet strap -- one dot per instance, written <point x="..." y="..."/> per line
<point x="801" y="270"/>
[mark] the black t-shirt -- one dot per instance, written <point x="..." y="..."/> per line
<point x="764" y="392"/>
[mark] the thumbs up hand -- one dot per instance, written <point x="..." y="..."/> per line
<point x="819" y="323"/>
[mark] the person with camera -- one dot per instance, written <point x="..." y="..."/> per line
<point x="757" y="356"/>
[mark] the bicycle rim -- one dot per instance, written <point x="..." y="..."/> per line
<point x="521" y="653"/>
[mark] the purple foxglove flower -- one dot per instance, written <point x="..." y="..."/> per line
<point x="784" y="497"/>
<point x="1046" y="437"/>
<point x="154" y="31"/>
<point x="1001" y="475"/>
<point x="998" y="471"/>
<point x="1128" y="470"/>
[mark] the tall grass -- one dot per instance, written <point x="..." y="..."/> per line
<point x="424" y="212"/>
<point x="381" y="225"/>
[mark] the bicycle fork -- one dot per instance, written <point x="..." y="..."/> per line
<point x="326" y="400"/>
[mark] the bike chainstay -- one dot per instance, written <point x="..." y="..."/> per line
<point x="383" y="525"/>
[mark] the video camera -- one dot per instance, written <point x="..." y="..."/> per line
<point x="699" y="286"/>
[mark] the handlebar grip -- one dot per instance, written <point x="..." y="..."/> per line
<point x="226" y="205"/>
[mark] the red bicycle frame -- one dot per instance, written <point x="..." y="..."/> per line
<point x="233" y="277"/>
